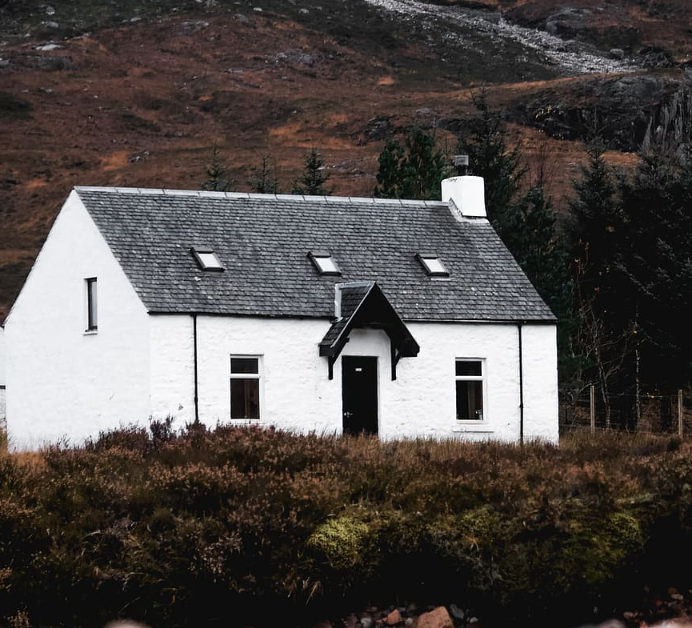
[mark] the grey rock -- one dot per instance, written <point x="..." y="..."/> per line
<point x="303" y="11"/>
<point x="4" y="63"/>
<point x="655" y="58"/>
<point x="50" y="10"/>
<point x="367" y="622"/>
<point x="53" y="25"/>
<point x="54" y="64"/>
<point x="617" y="53"/>
<point x="243" y="19"/>
<point x="456" y="612"/>
<point x="567" y="22"/>
<point x="378" y="129"/>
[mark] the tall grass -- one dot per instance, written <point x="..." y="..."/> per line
<point x="240" y="525"/>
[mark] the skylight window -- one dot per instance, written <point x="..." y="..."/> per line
<point x="324" y="263"/>
<point x="433" y="265"/>
<point x="207" y="259"/>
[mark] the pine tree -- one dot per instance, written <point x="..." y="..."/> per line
<point x="216" y="172"/>
<point x="263" y="178"/>
<point x="657" y="267"/>
<point x="597" y="231"/>
<point x="602" y="338"/>
<point x="313" y="180"/>
<point x="485" y="140"/>
<point x="414" y="170"/>
<point x="532" y="237"/>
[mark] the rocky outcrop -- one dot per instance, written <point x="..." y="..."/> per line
<point x="568" y="22"/>
<point x="618" y="108"/>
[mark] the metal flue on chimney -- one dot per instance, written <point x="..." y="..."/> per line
<point x="461" y="163"/>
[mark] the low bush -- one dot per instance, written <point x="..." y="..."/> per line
<point x="239" y="525"/>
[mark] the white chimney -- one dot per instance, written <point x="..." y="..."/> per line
<point x="468" y="195"/>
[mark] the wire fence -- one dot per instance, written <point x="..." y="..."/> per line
<point x="591" y="409"/>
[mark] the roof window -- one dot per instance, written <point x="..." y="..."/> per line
<point x="433" y="264"/>
<point x="324" y="263"/>
<point x="207" y="259"/>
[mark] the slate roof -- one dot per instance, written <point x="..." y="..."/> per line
<point x="263" y="242"/>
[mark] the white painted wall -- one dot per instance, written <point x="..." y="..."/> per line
<point x="540" y="382"/>
<point x="297" y="394"/>
<point x="3" y="354"/>
<point x="62" y="381"/>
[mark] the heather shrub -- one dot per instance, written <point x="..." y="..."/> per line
<point x="244" y="525"/>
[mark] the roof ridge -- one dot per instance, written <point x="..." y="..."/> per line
<point x="252" y="195"/>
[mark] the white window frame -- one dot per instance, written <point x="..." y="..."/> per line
<point x="258" y="376"/>
<point x="91" y="304"/>
<point x="473" y="378"/>
<point x="207" y="259"/>
<point x="324" y="263"/>
<point x="433" y="265"/>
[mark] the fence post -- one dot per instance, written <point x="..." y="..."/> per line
<point x="680" y="422"/>
<point x="592" y="408"/>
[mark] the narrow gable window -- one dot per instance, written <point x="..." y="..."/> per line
<point x="324" y="263"/>
<point x="91" y="304"/>
<point x="469" y="384"/>
<point x="432" y="264"/>
<point x="245" y="387"/>
<point x="207" y="259"/>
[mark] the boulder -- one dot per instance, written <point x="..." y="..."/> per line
<point x="436" y="618"/>
<point x="393" y="618"/>
<point x="54" y="64"/>
<point x="568" y="22"/>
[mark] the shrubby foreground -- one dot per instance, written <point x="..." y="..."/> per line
<point x="240" y="525"/>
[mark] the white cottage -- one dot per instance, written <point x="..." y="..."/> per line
<point x="398" y="318"/>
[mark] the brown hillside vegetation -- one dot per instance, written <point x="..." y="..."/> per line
<point x="138" y="93"/>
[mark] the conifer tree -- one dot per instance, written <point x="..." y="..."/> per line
<point x="216" y="171"/>
<point x="657" y="267"/>
<point x="314" y="178"/>
<point x="485" y="140"/>
<point x="414" y="170"/>
<point x="533" y="238"/>
<point x="263" y="178"/>
<point x="602" y="336"/>
<point x="597" y="226"/>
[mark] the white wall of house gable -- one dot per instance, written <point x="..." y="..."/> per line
<point x="296" y="392"/>
<point x="61" y="380"/>
<point x="3" y="355"/>
<point x="540" y="366"/>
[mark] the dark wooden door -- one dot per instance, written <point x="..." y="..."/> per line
<point x="359" y="391"/>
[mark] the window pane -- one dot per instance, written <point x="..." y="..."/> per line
<point x="326" y="265"/>
<point x="469" y="367"/>
<point x="245" y="399"/>
<point x="244" y="365"/>
<point x="209" y="260"/>
<point x="434" y="266"/>
<point x="469" y="401"/>
<point x="92" y="309"/>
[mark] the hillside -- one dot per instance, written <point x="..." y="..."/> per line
<point x="137" y="93"/>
